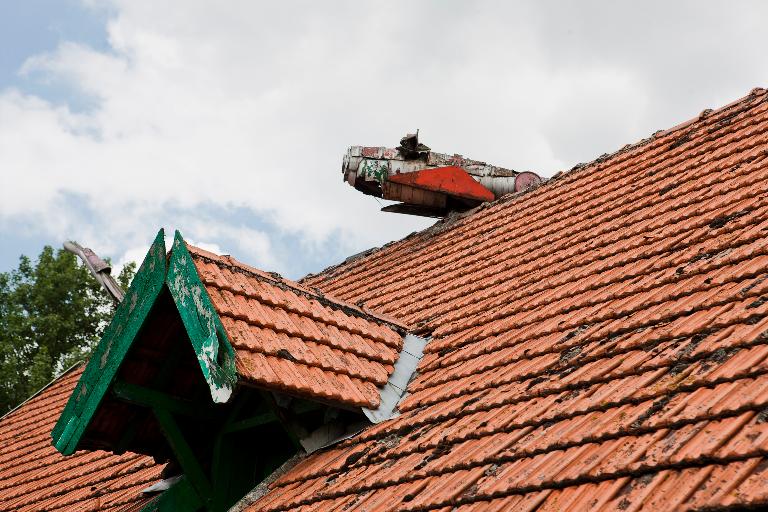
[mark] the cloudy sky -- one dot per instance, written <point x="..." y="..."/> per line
<point x="228" y="120"/>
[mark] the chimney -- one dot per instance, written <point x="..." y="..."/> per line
<point x="428" y="183"/>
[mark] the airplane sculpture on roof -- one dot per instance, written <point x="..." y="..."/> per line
<point x="428" y="183"/>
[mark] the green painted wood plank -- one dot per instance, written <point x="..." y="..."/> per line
<point x="212" y="347"/>
<point x="114" y="345"/>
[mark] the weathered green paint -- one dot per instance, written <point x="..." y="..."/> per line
<point x="203" y="325"/>
<point x="184" y="454"/>
<point x="376" y="169"/>
<point x="180" y="497"/>
<point x="109" y="353"/>
<point x="156" y="399"/>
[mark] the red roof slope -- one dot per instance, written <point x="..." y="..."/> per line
<point x="600" y="342"/>
<point x="34" y="476"/>
<point x="291" y="338"/>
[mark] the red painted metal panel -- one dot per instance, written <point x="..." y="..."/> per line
<point x="449" y="180"/>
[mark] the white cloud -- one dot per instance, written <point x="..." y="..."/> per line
<point x="247" y="106"/>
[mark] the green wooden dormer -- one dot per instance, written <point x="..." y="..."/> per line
<point x="225" y="372"/>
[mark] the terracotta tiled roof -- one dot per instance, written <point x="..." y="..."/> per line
<point x="600" y="342"/>
<point x="291" y="338"/>
<point x="35" y="477"/>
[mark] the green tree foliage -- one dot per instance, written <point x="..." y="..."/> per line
<point x="52" y="313"/>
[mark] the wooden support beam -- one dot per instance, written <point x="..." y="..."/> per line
<point x="193" y="472"/>
<point x="254" y="421"/>
<point x="156" y="399"/>
<point x="221" y="463"/>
